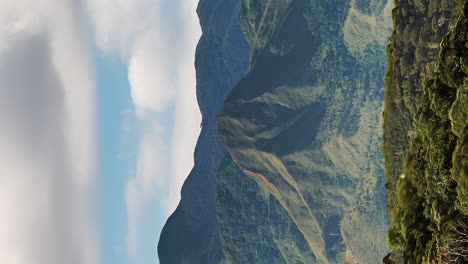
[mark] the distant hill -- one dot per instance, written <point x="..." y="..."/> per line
<point x="191" y="234"/>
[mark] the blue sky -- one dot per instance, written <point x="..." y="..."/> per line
<point x="115" y="166"/>
<point x="99" y="123"/>
<point x="125" y="123"/>
<point x="118" y="136"/>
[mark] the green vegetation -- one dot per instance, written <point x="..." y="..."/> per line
<point x="362" y="28"/>
<point x="255" y="227"/>
<point x="259" y="20"/>
<point x="412" y="57"/>
<point x="428" y="198"/>
<point x="303" y="128"/>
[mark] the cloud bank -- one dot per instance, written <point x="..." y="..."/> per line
<point x="157" y="41"/>
<point x="47" y="135"/>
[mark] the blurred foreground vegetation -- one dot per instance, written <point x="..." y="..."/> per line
<point x="426" y="133"/>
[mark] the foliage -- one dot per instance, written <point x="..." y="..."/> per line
<point x="429" y="195"/>
<point x="254" y="227"/>
<point x="412" y="55"/>
<point x="259" y="20"/>
<point x="454" y="248"/>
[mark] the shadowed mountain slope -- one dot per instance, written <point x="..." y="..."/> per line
<point x="191" y="233"/>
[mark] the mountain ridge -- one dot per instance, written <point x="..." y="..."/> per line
<point x="191" y="234"/>
<point x="252" y="123"/>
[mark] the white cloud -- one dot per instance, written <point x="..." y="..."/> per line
<point x="152" y="160"/>
<point x="150" y="73"/>
<point x="47" y="135"/>
<point x="157" y="40"/>
<point x="187" y="113"/>
<point x="118" y="23"/>
<point x="150" y="174"/>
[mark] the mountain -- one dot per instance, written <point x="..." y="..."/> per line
<point x="191" y="234"/>
<point x="304" y="125"/>
<point x="426" y="132"/>
<point x="302" y="180"/>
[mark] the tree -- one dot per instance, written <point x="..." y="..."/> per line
<point x="456" y="249"/>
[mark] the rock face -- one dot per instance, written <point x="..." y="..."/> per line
<point x="191" y="234"/>
<point x="303" y="178"/>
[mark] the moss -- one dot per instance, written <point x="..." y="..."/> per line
<point x="254" y="226"/>
<point x="430" y="191"/>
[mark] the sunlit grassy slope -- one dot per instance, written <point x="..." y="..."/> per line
<point x="303" y="130"/>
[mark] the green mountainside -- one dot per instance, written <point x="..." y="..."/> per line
<point x="304" y="180"/>
<point x="426" y="133"/>
<point x="254" y="226"/>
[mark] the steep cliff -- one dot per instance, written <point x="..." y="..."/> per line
<point x="191" y="233"/>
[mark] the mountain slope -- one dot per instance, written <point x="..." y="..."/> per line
<point x="304" y="125"/>
<point x="254" y="226"/>
<point x="191" y="234"/>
